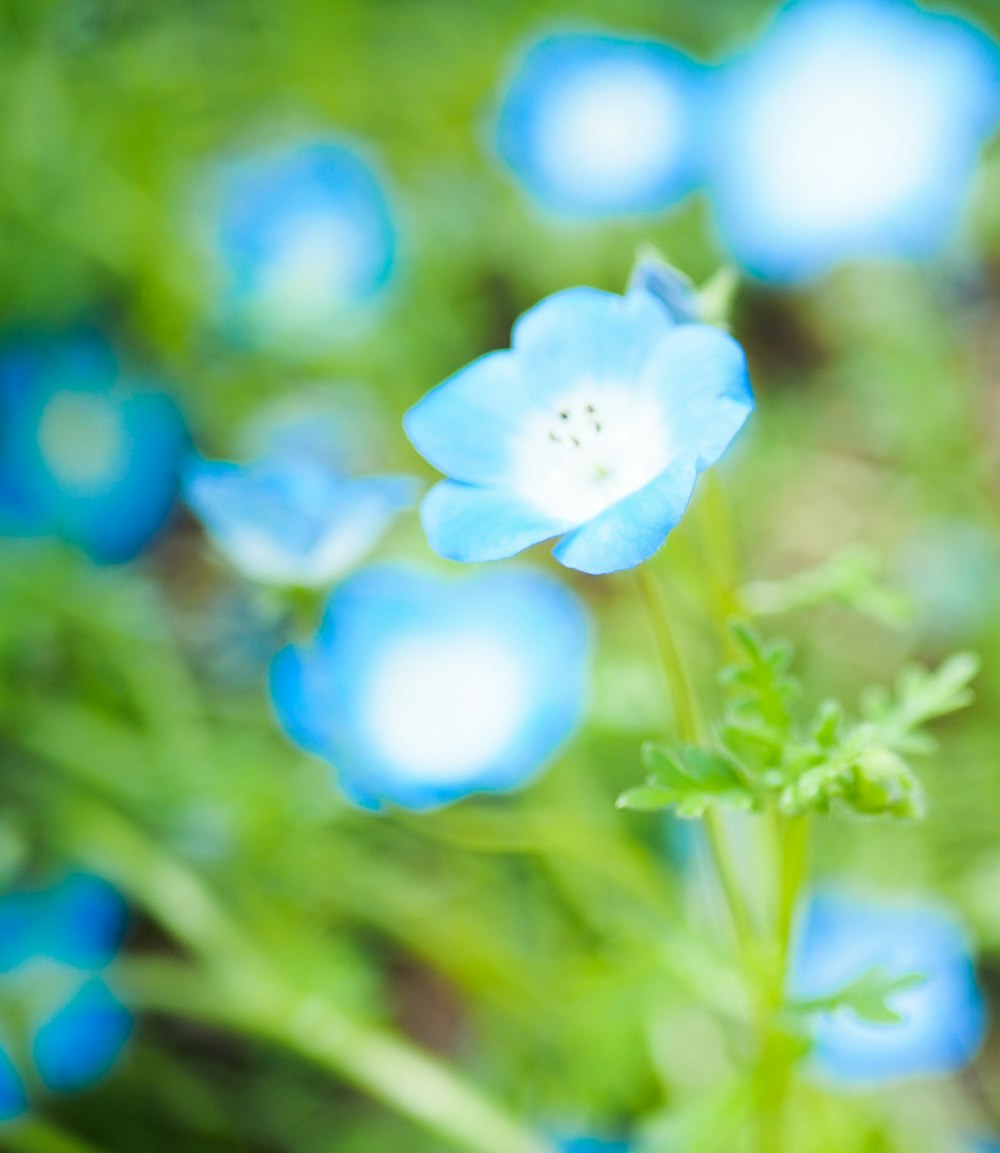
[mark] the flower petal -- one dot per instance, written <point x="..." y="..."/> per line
<point x="701" y="375"/>
<point x="464" y="426"/>
<point x="13" y="1100"/>
<point x="584" y="333"/>
<point x="630" y="531"/>
<point x="471" y="523"/>
<point x="80" y="1042"/>
<point x="299" y="689"/>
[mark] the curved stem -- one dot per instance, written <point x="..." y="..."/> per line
<point x="36" y="1135"/>
<point x="689" y="730"/>
<point x="681" y="695"/>
<point x="239" y="986"/>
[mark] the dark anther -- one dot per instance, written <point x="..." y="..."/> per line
<point x="565" y="414"/>
<point x="575" y="441"/>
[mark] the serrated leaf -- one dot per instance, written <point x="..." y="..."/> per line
<point x="827" y="725"/>
<point x="662" y="765"/>
<point x="866" y="997"/>
<point x="710" y="770"/>
<point x="646" y="798"/>
<point x="751" y="743"/>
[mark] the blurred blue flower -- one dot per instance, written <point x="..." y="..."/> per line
<point x="55" y="944"/>
<point x="595" y="424"/>
<point x="83" y="454"/>
<point x="291" y="518"/>
<point x="842" y="939"/>
<point x="420" y="690"/>
<point x="852" y="128"/>
<point x="303" y="234"/>
<point x="592" y="1145"/>
<point x="597" y="125"/>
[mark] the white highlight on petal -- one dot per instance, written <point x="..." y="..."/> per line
<point x="845" y="134"/>
<point x="321" y="262"/>
<point x="612" y="131"/>
<point x="263" y="557"/>
<point x="83" y="441"/>
<point x="589" y="448"/>
<point x="442" y="708"/>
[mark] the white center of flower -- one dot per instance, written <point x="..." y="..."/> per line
<point x="83" y="441"/>
<point x="589" y="449"/>
<point x="844" y="138"/>
<point x="444" y="708"/>
<point x="611" y="132"/>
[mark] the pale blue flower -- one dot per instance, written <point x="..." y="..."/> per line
<point x="84" y="453"/>
<point x="304" y="235"/>
<point x="420" y="689"/>
<point x="595" y="425"/>
<point x="598" y="125"/>
<point x="291" y="518"/>
<point x="852" y="128"/>
<point x="56" y="944"/>
<point x="842" y="939"/>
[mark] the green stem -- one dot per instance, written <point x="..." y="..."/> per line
<point x="682" y="697"/>
<point x="689" y="730"/>
<point x="793" y="841"/>
<point x="258" y="1003"/>
<point x="777" y="1054"/>
<point x="238" y="986"/>
<point x="35" y="1135"/>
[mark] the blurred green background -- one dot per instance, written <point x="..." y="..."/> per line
<point x="543" y="942"/>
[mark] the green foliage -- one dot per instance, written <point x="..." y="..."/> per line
<point x="768" y="754"/>
<point x="849" y="577"/>
<point x="868" y="997"/>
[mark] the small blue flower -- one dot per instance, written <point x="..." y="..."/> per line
<point x="420" y="690"/>
<point x="55" y="946"/>
<point x="592" y="1145"/>
<point x="841" y="940"/>
<point x="304" y="234"/>
<point x="597" y="125"/>
<point x="83" y="455"/>
<point x="669" y="285"/>
<point x="851" y="129"/>
<point x="595" y="424"/>
<point x="291" y="518"/>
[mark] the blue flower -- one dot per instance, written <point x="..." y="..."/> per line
<point x="944" y="1017"/>
<point x="291" y="518"/>
<point x="55" y="945"/>
<point x="420" y="690"/>
<point x="851" y="129"/>
<point x="592" y="1145"/>
<point x="597" y="125"/>
<point x="304" y="234"/>
<point x="595" y="424"/>
<point x="83" y="454"/>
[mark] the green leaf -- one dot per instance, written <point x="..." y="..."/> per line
<point x="689" y="780"/>
<point x="867" y="997"/>
<point x="646" y="798"/>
